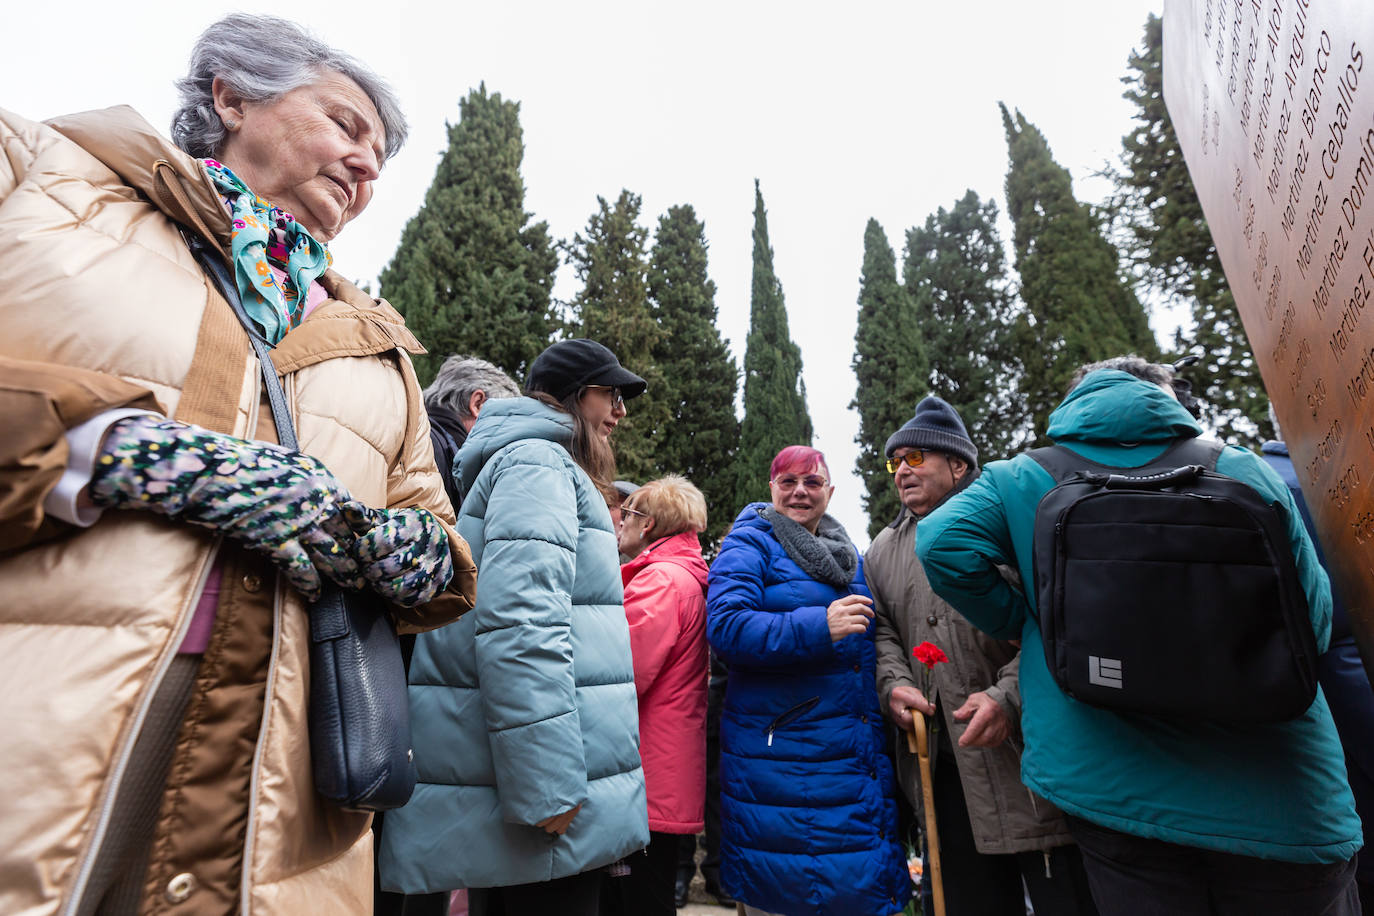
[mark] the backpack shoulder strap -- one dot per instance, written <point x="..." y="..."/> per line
<point x="1059" y="461"/>
<point x="1063" y="463"/>
<point x="1193" y="450"/>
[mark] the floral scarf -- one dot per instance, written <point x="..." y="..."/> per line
<point x="265" y="236"/>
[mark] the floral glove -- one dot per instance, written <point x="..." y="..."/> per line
<point x="271" y="500"/>
<point x="403" y="553"/>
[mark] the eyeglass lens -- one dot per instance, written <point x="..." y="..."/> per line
<point x="912" y="459"/>
<point x="810" y="482"/>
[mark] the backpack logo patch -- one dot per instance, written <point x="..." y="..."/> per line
<point x="1105" y="672"/>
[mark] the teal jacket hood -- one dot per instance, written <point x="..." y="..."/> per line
<point x="501" y="422"/>
<point x="1111" y="406"/>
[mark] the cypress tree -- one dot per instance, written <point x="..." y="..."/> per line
<point x="699" y="374"/>
<point x="472" y="273"/>
<point x="956" y="275"/>
<point x="612" y="307"/>
<point x="891" y="367"/>
<point x="1167" y="240"/>
<point x="775" y="414"/>
<point x="1078" y="307"/>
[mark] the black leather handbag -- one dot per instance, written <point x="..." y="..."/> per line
<point x="359" y="714"/>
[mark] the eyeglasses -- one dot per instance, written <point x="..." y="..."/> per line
<point x="617" y="399"/>
<point x="809" y="482"/>
<point x="626" y="510"/>
<point x="912" y="459"/>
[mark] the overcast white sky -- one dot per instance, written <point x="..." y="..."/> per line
<point x="843" y="111"/>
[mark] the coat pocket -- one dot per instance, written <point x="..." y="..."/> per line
<point x="791" y="715"/>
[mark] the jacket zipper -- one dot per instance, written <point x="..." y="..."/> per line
<point x="121" y="762"/>
<point x="250" y="835"/>
<point x="796" y="712"/>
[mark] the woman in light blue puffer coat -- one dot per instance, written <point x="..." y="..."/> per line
<point x="524" y="712"/>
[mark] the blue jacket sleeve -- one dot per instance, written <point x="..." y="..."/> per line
<point x="523" y="636"/>
<point x="1245" y="466"/>
<point x="961" y="544"/>
<point x="738" y="627"/>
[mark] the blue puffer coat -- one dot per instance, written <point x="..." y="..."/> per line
<point x="525" y="706"/>
<point x="1275" y="791"/>
<point x="808" y="821"/>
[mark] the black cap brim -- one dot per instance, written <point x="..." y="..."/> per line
<point x="630" y="385"/>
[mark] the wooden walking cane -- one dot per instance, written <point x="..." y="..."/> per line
<point x="917" y="742"/>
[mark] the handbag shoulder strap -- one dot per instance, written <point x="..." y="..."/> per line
<point x="276" y="397"/>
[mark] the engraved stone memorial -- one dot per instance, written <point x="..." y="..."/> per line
<point x="1273" y="102"/>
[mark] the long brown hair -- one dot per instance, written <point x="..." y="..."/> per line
<point x="588" y="448"/>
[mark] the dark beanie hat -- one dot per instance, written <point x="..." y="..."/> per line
<point x="937" y="427"/>
<point x="569" y="364"/>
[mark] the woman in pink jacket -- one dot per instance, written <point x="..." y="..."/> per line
<point x="665" y="601"/>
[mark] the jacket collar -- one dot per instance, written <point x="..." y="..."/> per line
<point x="351" y="323"/>
<point x="682" y="549"/>
<point x="143" y="159"/>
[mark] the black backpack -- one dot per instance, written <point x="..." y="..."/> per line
<point x="1171" y="590"/>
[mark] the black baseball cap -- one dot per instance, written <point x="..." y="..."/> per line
<point x="570" y="364"/>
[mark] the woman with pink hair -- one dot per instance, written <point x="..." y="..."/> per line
<point x="808" y="817"/>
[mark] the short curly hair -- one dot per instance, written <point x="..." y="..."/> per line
<point x="1141" y="368"/>
<point x="673" y="502"/>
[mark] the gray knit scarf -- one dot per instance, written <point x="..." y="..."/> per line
<point x="827" y="556"/>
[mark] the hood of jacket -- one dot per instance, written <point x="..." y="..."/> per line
<point x="682" y="549"/>
<point x="1114" y="407"/>
<point x="502" y="422"/>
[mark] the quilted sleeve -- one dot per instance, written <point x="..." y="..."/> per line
<point x="415" y="482"/>
<point x="739" y="628"/>
<point x="523" y="635"/>
<point x="961" y="544"/>
<point x="653" y="609"/>
<point x="39" y="403"/>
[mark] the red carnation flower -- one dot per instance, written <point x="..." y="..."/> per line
<point x="929" y="654"/>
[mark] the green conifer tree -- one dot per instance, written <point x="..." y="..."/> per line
<point x="700" y="378"/>
<point x="891" y="367"/>
<point x="775" y="414"/>
<point x="472" y="273"/>
<point x="612" y="307"/>
<point x="1164" y="234"/>
<point x="1078" y="307"/>
<point x="956" y="275"/>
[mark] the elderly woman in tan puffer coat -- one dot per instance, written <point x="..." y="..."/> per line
<point x="156" y="667"/>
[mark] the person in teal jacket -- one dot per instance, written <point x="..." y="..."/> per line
<point x="524" y="712"/>
<point x="1172" y="817"/>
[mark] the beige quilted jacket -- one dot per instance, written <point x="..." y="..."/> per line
<point x="102" y="300"/>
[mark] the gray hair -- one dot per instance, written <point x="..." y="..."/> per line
<point x="1154" y="373"/>
<point x="263" y="58"/>
<point x="460" y="377"/>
